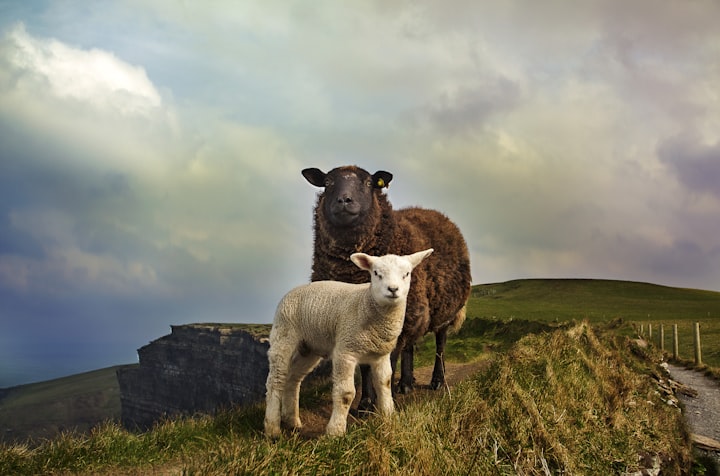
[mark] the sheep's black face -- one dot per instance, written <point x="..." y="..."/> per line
<point x="348" y="194"/>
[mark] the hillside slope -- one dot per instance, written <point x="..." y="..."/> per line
<point x="592" y="299"/>
<point x="41" y="410"/>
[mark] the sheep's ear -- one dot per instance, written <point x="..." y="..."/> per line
<point x="362" y="260"/>
<point x="381" y="179"/>
<point x="315" y="176"/>
<point x="416" y="258"/>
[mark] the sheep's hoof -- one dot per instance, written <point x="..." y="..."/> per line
<point x="405" y="388"/>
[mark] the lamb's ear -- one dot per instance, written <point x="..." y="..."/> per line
<point x="381" y="179"/>
<point x="362" y="260"/>
<point x="315" y="176"/>
<point x="416" y="258"/>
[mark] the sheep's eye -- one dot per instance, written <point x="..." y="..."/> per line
<point x="406" y="275"/>
<point x="328" y="182"/>
<point x="377" y="274"/>
<point x="368" y="183"/>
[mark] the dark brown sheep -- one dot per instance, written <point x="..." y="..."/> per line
<point x="353" y="214"/>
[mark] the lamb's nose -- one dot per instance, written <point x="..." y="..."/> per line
<point x="345" y="199"/>
<point x="393" y="289"/>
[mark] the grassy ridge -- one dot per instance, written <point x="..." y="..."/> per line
<point x="591" y="299"/>
<point x="570" y="400"/>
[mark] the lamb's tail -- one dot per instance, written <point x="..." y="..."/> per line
<point x="459" y="320"/>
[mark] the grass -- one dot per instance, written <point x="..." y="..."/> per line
<point x="568" y="400"/>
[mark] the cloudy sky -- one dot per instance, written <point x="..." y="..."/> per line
<point x="150" y="151"/>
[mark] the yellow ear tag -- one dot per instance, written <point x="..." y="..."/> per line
<point x="380" y="183"/>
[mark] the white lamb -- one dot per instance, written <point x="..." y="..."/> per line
<point x="349" y="323"/>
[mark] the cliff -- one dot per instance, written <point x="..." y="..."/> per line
<point x="198" y="368"/>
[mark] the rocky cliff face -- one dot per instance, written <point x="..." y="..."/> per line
<point x="196" y="368"/>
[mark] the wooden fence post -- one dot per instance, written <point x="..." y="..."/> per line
<point x="698" y="348"/>
<point x="676" y="353"/>
<point x="662" y="338"/>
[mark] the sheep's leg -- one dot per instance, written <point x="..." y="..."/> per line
<point x="382" y="379"/>
<point x="343" y="394"/>
<point x="275" y="386"/>
<point x="438" y="375"/>
<point x="367" y="402"/>
<point x="300" y="366"/>
<point x="394" y="356"/>
<point x="407" y="377"/>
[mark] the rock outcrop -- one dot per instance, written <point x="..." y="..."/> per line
<point x="198" y="368"/>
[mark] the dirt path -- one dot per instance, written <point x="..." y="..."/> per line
<point x="702" y="412"/>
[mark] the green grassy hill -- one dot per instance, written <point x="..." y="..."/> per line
<point x="43" y="409"/>
<point x="595" y="300"/>
<point x="563" y="300"/>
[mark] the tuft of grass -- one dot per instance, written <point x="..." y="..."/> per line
<point x="478" y="336"/>
<point x="572" y="400"/>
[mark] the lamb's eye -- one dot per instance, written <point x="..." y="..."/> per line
<point x="406" y="275"/>
<point x="378" y="275"/>
<point x="368" y="183"/>
<point x="328" y="182"/>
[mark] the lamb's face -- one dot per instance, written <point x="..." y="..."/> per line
<point x="390" y="279"/>
<point x="389" y="274"/>
<point x="349" y="193"/>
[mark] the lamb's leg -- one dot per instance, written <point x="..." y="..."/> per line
<point x="300" y="366"/>
<point x="382" y="379"/>
<point x="438" y="375"/>
<point x="407" y="377"/>
<point x="367" y="402"/>
<point x="275" y="386"/>
<point x="343" y="394"/>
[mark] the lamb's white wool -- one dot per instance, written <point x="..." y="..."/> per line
<point x="348" y="323"/>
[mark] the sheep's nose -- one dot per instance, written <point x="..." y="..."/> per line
<point x="393" y="289"/>
<point x="345" y="199"/>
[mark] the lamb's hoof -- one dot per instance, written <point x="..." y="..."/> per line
<point x="272" y="430"/>
<point x="436" y="384"/>
<point x="366" y="407"/>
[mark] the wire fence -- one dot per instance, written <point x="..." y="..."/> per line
<point x="659" y="339"/>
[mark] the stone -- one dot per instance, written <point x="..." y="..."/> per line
<point x="198" y="368"/>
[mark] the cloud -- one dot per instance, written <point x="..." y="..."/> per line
<point x="151" y="150"/>
<point x="128" y="194"/>
<point x="695" y="164"/>
<point x="93" y="77"/>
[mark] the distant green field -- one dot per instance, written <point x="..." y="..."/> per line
<point x="43" y="409"/>
<point x="561" y="300"/>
